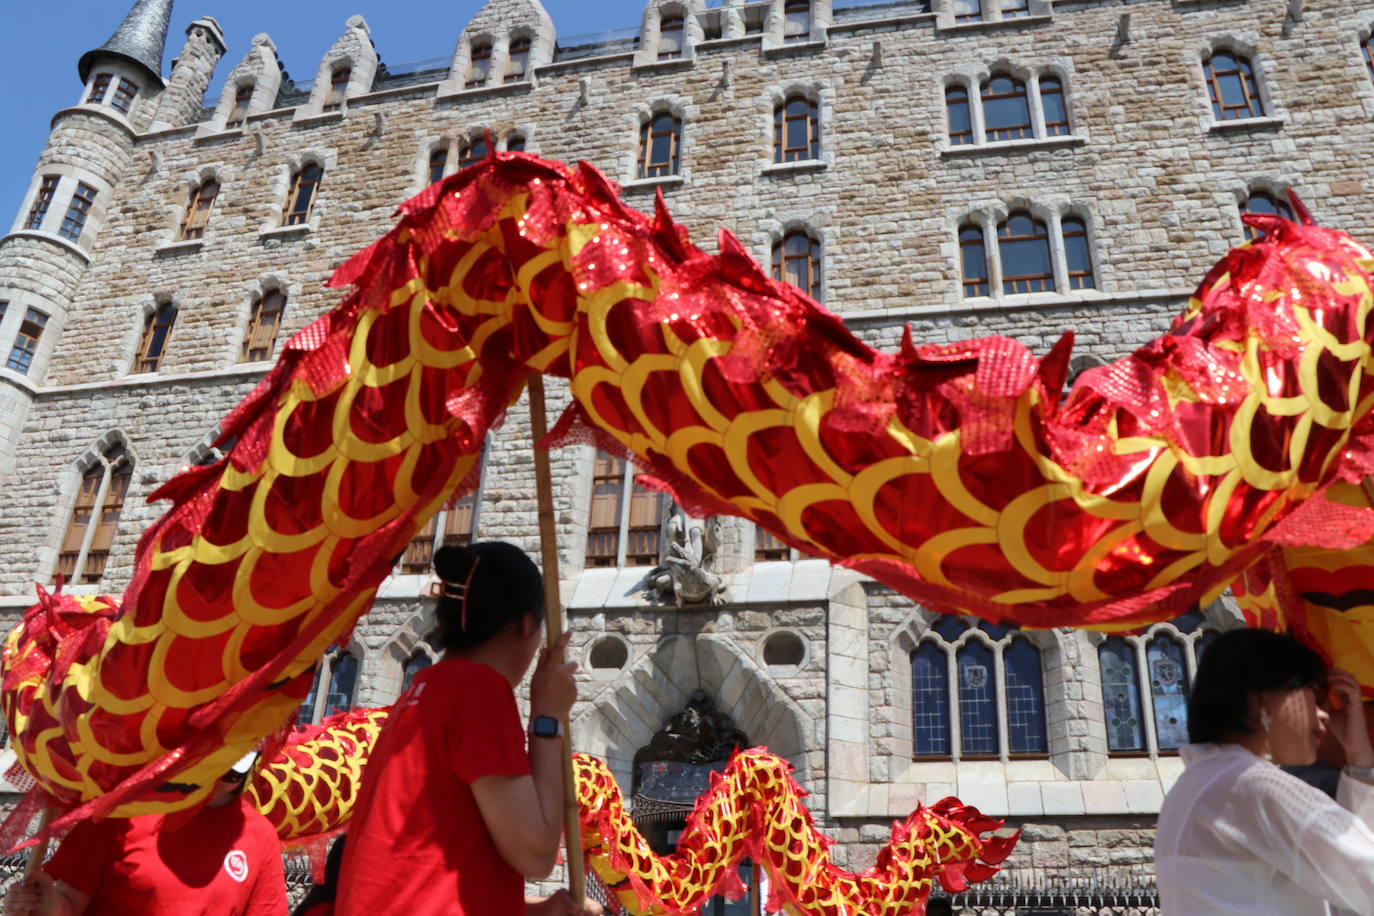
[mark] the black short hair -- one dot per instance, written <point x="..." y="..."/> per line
<point x="1238" y="663"/>
<point x="487" y="585"/>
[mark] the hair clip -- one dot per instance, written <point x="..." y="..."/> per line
<point x="459" y="590"/>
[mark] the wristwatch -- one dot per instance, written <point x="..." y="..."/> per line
<point x="546" y="727"/>
<point x="1363" y="774"/>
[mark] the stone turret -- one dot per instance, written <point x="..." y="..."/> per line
<point x="191" y="74"/>
<point x="88" y="154"/>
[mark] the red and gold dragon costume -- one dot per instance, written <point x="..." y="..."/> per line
<point x="753" y="809"/>
<point x="958" y="474"/>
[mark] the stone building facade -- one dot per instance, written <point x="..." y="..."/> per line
<point x="1013" y="167"/>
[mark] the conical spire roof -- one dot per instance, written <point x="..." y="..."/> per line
<point x="139" y="39"/>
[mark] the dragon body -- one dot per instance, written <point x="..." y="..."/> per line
<point x="753" y="809"/>
<point x="959" y="474"/>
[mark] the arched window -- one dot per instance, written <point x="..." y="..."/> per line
<point x="670" y="38"/>
<point x="263" y="324"/>
<point x="960" y="118"/>
<point x="1023" y="245"/>
<point x="968" y="10"/>
<point x="796" y="130"/>
<point x="1025" y="686"/>
<point x="438" y="162"/>
<point x="419" y="660"/>
<point x="243" y="97"/>
<point x="623" y="512"/>
<point x="41" y="202"/>
<point x="796" y="21"/>
<point x="1006" y="112"/>
<point x="1052" y="105"/>
<point x="305" y="184"/>
<point x="1077" y="255"/>
<point x="479" y="66"/>
<point x="198" y="208"/>
<point x="930" y="701"/>
<point x="1368" y="57"/>
<point x="472" y="152"/>
<point x="973" y="257"/>
<point x="1264" y="202"/>
<point x="156" y="331"/>
<point x="519" y="60"/>
<point x="77" y="211"/>
<point x="99" y="87"/>
<point x="1231" y="85"/>
<point x="977" y="700"/>
<point x="124" y="95"/>
<point x="340" y="671"/>
<point x="338" y="88"/>
<point x="1168" y="691"/>
<point x="26" y="341"/>
<point x="91" y="528"/>
<point x="515" y="143"/>
<point x="659" y="142"/>
<point x="1121" y="695"/>
<point x="797" y="260"/>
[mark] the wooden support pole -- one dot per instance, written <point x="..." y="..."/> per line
<point x="553" y="623"/>
<point x="755" y="894"/>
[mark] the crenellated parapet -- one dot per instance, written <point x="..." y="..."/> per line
<point x="502" y="46"/>
<point x="250" y="89"/>
<point x="347" y="70"/>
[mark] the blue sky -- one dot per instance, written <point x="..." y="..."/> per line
<point x="40" y="45"/>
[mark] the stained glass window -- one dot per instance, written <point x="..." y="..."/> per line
<point x="1168" y="691"/>
<point x="977" y="701"/>
<point x="1025" y="699"/>
<point x="930" y="701"/>
<point x="1121" y="695"/>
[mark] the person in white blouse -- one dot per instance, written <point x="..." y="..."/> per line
<point x="1236" y="834"/>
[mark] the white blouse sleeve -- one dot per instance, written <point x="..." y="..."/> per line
<point x="1325" y="847"/>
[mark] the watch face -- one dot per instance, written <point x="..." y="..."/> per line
<point x="545" y="727"/>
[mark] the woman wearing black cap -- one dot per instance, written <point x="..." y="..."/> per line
<point x="455" y="809"/>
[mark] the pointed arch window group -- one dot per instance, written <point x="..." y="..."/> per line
<point x="1006" y="108"/>
<point x="977" y="692"/>
<point x="1145" y="684"/>
<point x="90" y="530"/>
<point x="1024" y="255"/>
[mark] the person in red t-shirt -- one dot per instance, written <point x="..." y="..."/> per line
<point x="454" y="811"/>
<point x="223" y="859"/>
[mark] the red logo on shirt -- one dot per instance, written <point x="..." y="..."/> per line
<point x="236" y="865"/>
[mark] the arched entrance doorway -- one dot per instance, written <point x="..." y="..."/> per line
<point x="672" y="770"/>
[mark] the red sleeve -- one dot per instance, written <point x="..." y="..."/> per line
<point x="483" y="735"/>
<point x="269" y="890"/>
<point x="85" y="855"/>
